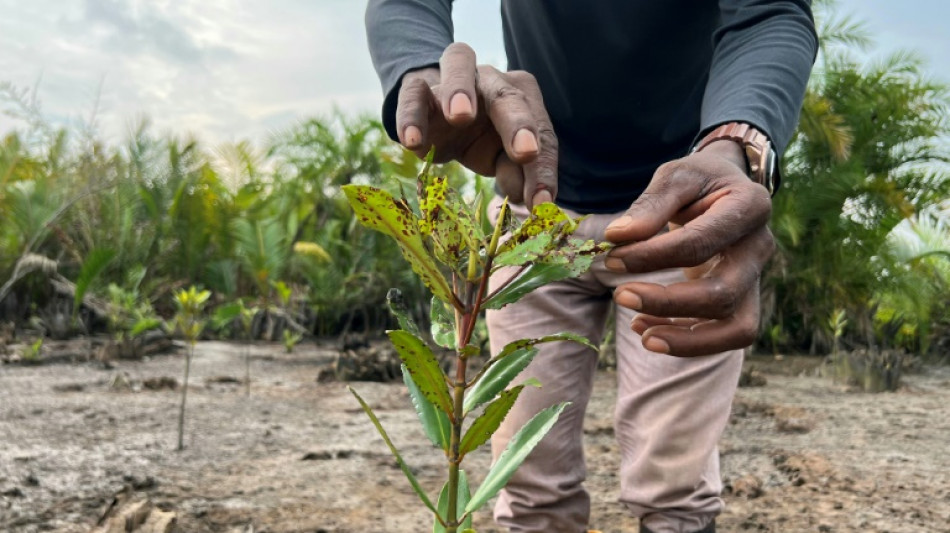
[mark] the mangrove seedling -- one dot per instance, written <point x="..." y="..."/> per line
<point x="454" y="255"/>
<point x="190" y="323"/>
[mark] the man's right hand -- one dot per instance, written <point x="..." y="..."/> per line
<point x="492" y="122"/>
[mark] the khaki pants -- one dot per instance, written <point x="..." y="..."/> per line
<point x="669" y="416"/>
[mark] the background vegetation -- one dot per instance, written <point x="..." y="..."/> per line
<point x="862" y="221"/>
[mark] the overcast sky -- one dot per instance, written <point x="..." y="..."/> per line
<point x="228" y="70"/>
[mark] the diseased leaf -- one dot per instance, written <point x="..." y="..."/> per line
<point x="497" y="377"/>
<point x="435" y="423"/>
<point x="400" y="310"/>
<point x="443" y="325"/>
<point x="378" y="210"/>
<point x="514" y="454"/>
<point x="487" y="423"/>
<point x="514" y="346"/>
<point x="536" y="275"/>
<point x="423" y="367"/>
<point x="525" y="252"/>
<point x="437" y="222"/>
<point x="392" y="448"/>
<point x="575" y="254"/>
<point x="464" y="494"/>
<point x="546" y="218"/>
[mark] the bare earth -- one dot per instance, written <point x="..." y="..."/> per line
<point x="802" y="454"/>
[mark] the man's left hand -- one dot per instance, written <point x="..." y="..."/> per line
<point x="718" y="233"/>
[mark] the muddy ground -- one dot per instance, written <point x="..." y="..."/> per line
<point x="801" y="454"/>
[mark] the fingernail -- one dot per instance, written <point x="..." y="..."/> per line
<point x="460" y="105"/>
<point x="540" y="197"/>
<point x="630" y="300"/>
<point x="657" y="345"/>
<point x="525" y="143"/>
<point x="615" y="264"/>
<point x="413" y="136"/>
<point x="620" y="223"/>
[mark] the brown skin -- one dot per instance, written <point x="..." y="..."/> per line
<point x="514" y="141"/>
<point x="718" y="234"/>
<point x="717" y="216"/>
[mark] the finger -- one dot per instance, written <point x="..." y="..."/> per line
<point x="457" y="85"/>
<point x="511" y="115"/>
<point x="725" y="222"/>
<point x="683" y="190"/>
<point x="706" y="337"/>
<point x="510" y="178"/>
<point x="413" y="105"/>
<point x="716" y="295"/>
<point x="540" y="184"/>
<point x="641" y="322"/>
<point x="673" y="186"/>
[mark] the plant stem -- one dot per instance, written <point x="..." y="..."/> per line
<point x="247" y="371"/>
<point x="184" y="396"/>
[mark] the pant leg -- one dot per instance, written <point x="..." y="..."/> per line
<point x="669" y="417"/>
<point x="546" y="494"/>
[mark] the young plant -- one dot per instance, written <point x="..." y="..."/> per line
<point x="188" y="320"/>
<point x="447" y="247"/>
<point x="33" y="352"/>
<point x="291" y="339"/>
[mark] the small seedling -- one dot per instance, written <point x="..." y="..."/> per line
<point x="448" y="248"/>
<point x="291" y="339"/>
<point x="33" y="352"/>
<point x="189" y="322"/>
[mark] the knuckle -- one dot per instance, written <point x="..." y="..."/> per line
<point x="548" y="140"/>
<point x="670" y="169"/>
<point x="522" y="78"/>
<point x="502" y="92"/>
<point x="462" y="50"/>
<point x="748" y="332"/>
<point x="412" y="86"/>
<point x="722" y="299"/>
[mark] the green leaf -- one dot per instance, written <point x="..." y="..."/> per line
<point x="536" y="275"/>
<point x="225" y="314"/>
<point x="378" y="210"/>
<point x="95" y="263"/>
<point x="514" y="454"/>
<point x="435" y="423"/>
<point x="485" y="425"/>
<point x="497" y="377"/>
<point x="443" y="325"/>
<point x="423" y="367"/>
<point x="392" y="448"/>
<point x="464" y="494"/>
<point x="144" y="325"/>
<point x="525" y="252"/>
<point x="400" y="309"/>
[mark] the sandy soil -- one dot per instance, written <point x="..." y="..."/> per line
<point x="801" y="454"/>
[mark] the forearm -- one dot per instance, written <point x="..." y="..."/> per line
<point x="764" y="51"/>
<point x="404" y="35"/>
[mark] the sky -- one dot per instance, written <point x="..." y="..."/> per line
<point x="229" y="70"/>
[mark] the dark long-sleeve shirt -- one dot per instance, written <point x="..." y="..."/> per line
<point x="629" y="84"/>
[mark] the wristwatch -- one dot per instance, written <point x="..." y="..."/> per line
<point x="759" y="154"/>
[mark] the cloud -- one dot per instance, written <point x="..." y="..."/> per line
<point x="148" y="29"/>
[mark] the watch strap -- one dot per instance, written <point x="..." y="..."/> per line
<point x="756" y="146"/>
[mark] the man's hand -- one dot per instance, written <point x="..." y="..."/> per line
<point x="492" y="122"/>
<point x="718" y="233"/>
